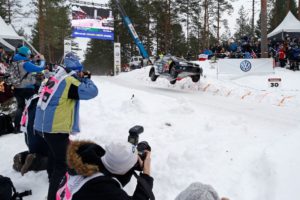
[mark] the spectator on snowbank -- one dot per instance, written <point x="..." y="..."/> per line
<point x="57" y="114"/>
<point x="102" y="174"/>
<point x="199" y="191"/>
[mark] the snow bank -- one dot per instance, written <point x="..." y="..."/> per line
<point x="246" y="149"/>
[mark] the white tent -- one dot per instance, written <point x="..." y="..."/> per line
<point x="290" y="24"/>
<point x="9" y="38"/>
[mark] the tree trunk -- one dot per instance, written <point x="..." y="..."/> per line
<point x="205" y="38"/>
<point x="218" y="21"/>
<point x="168" y="31"/>
<point x="207" y="26"/>
<point x="199" y="31"/>
<point x="187" y="22"/>
<point x="299" y="9"/>
<point x="9" y="11"/>
<point x="253" y="15"/>
<point x="264" y="39"/>
<point x="288" y="6"/>
<point x="41" y="19"/>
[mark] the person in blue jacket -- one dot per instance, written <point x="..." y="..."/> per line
<point x="57" y="114"/>
<point x="25" y="87"/>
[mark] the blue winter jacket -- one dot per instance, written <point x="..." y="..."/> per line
<point x="26" y="69"/>
<point x="62" y="113"/>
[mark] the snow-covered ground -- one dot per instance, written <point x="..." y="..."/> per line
<point x="239" y="135"/>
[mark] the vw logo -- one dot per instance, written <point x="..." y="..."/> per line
<point x="245" y="66"/>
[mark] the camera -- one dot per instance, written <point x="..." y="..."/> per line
<point x="142" y="147"/>
<point x="133" y="138"/>
<point x="86" y="74"/>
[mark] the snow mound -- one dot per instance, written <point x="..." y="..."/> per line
<point x="248" y="88"/>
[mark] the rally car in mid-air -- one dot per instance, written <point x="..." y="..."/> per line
<point x="174" y="68"/>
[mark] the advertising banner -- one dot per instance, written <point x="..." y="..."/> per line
<point x="91" y="21"/>
<point x="117" y="58"/>
<point x="242" y="67"/>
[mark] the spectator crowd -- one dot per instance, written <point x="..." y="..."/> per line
<point x="286" y="53"/>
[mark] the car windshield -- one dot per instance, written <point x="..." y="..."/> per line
<point x="179" y="59"/>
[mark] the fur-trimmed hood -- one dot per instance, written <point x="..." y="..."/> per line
<point x="84" y="157"/>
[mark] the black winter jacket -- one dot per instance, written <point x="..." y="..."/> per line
<point x="107" y="188"/>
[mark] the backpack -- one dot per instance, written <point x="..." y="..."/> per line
<point x="14" y="73"/>
<point x="8" y="191"/>
<point x="6" y="125"/>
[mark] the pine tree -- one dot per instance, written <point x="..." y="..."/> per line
<point x="99" y="57"/>
<point x="243" y="26"/>
<point x="220" y="7"/>
<point x="3" y="10"/>
<point x="10" y="9"/>
<point x="208" y="27"/>
<point x="257" y="30"/>
<point x="196" y="30"/>
<point x="164" y="16"/>
<point x="280" y="10"/>
<point x="52" y="27"/>
<point x="178" y="43"/>
<point x="146" y="32"/>
<point x="185" y="7"/>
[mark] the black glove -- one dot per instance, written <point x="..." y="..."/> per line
<point x="91" y="153"/>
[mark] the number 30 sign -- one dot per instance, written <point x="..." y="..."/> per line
<point x="274" y="82"/>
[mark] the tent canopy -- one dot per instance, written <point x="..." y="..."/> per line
<point x="7" y="31"/>
<point x="290" y="24"/>
<point x="10" y="39"/>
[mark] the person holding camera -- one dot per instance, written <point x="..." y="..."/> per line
<point x="57" y="115"/>
<point x="23" y="80"/>
<point x="96" y="173"/>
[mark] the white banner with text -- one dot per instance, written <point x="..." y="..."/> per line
<point x="240" y="67"/>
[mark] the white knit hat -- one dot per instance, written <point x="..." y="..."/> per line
<point x="119" y="158"/>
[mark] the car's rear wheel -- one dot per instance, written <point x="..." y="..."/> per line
<point x="195" y="78"/>
<point x="152" y="75"/>
<point x="173" y="82"/>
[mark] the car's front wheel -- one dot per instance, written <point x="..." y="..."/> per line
<point x="195" y="78"/>
<point x="152" y="75"/>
